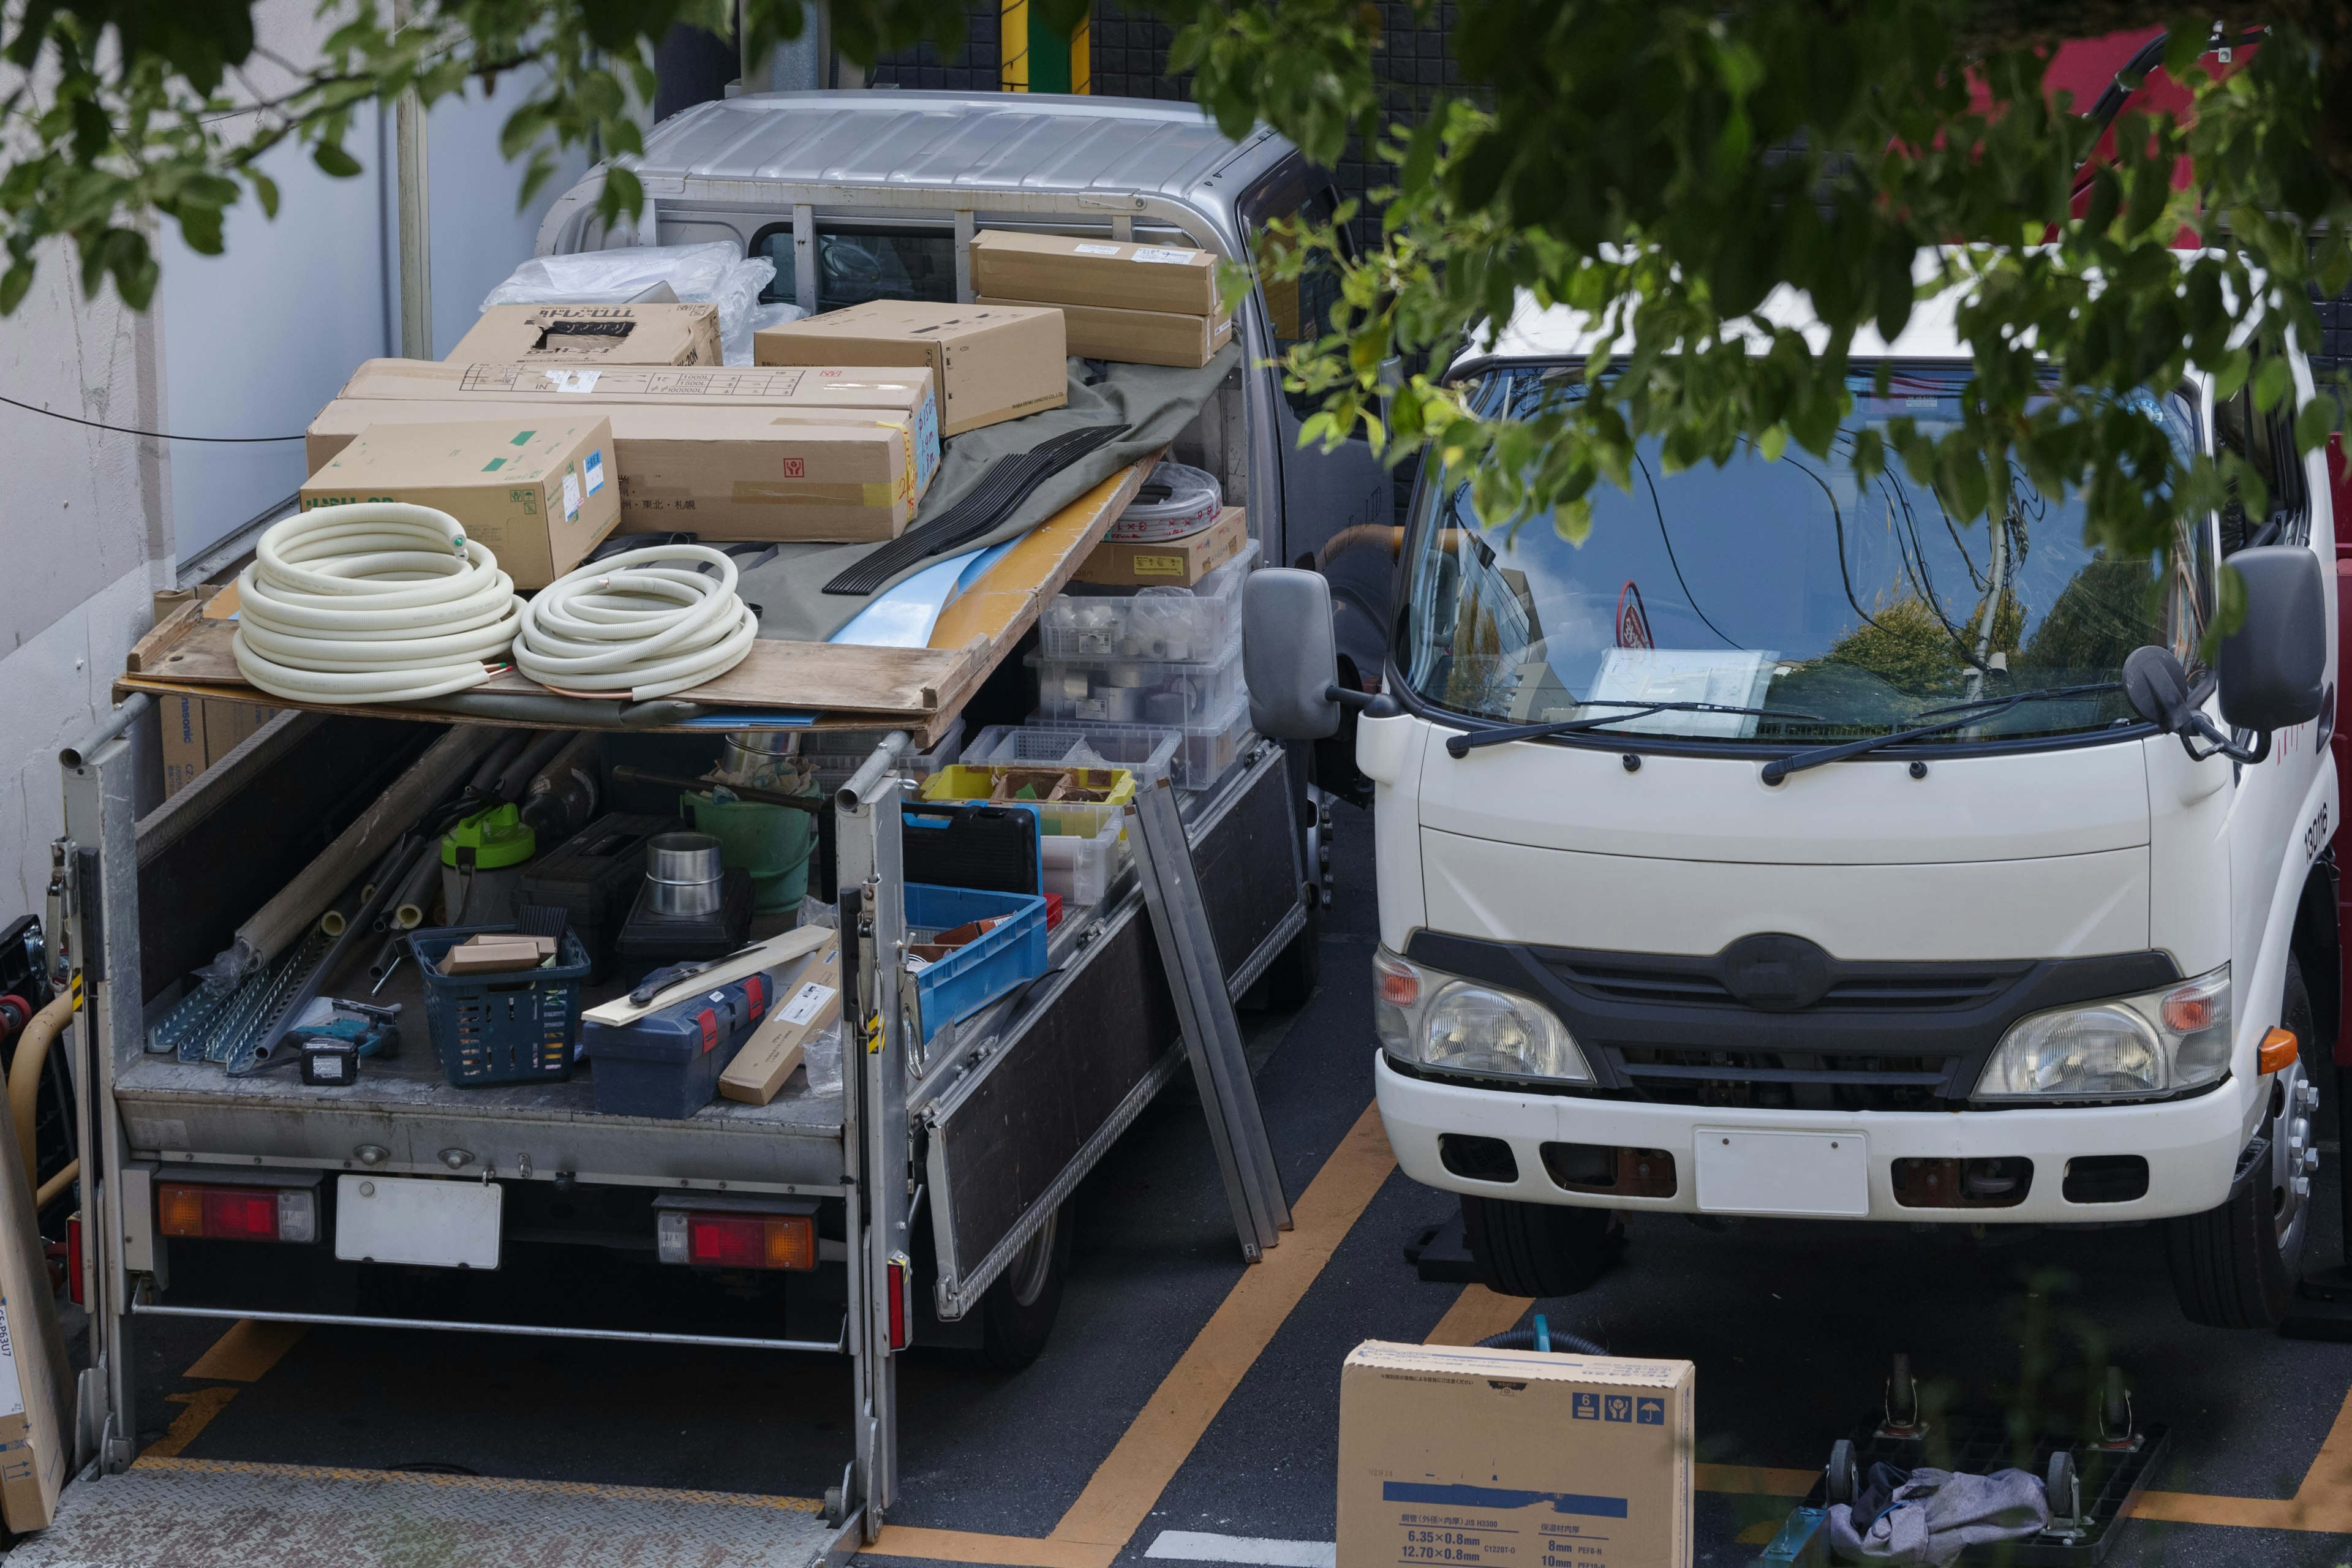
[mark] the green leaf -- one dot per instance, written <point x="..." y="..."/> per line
<point x="333" y="159"/>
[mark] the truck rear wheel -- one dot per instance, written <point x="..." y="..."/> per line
<point x="1017" y="1314"/>
<point x="2235" y="1266"/>
<point x="1540" y="1249"/>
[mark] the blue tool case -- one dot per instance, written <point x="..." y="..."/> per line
<point x="667" y="1064"/>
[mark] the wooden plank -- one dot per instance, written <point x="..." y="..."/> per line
<point x="847" y="686"/>
<point x="1008" y="597"/>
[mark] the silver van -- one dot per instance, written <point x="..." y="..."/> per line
<point x="871" y="194"/>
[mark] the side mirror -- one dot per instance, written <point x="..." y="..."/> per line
<point x="1288" y="658"/>
<point x="2274" y="669"/>
<point x="2157" y="688"/>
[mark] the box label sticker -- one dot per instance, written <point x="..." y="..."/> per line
<point x="1650" y="1412"/>
<point x="571" y="496"/>
<point x="12" y="1394"/>
<point x="595" y="470"/>
<point x="1585" y="1406"/>
<point x="1617" y="1407"/>
<point x="579" y="381"/>
<point x="795" y="468"/>
<point x="1165" y="255"/>
<point x="805" y="1002"/>
<point x="1095" y="250"/>
<point x="1158" y="567"/>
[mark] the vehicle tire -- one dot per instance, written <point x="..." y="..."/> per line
<point x="1540" y="1249"/>
<point x="2235" y="1266"/>
<point x="1018" y="1312"/>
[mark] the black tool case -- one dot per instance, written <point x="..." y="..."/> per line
<point x="593" y="878"/>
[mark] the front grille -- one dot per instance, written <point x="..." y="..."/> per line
<point x="1782" y="1081"/>
<point x="1857" y="987"/>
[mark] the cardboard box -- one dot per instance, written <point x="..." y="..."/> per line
<point x="1510" y="1455"/>
<point x="593" y="334"/>
<point x="1138" y="337"/>
<point x="809" y="1001"/>
<point x="1058" y="270"/>
<point x="182" y="720"/>
<point x="227" y="725"/>
<point x="1167" y="562"/>
<point x="991" y="363"/>
<point x="421" y="392"/>
<point x="538" y="491"/>
<point x="756" y="474"/>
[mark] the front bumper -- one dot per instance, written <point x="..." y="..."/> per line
<point x="2192" y="1146"/>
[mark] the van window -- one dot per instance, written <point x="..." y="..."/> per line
<point x="854" y="265"/>
<point x="1300" y="311"/>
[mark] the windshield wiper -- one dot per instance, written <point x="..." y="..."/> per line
<point x="1460" y="745"/>
<point x="1975" y="712"/>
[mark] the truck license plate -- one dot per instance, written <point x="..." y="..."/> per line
<point x="1742" y="1171"/>
<point x="443" y="1224"/>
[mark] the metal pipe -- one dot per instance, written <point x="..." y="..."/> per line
<point x="444" y="1325"/>
<point x="870" y="772"/>
<point x="310" y="989"/>
<point x="33" y="1046"/>
<point x="115" y="724"/>
<point x="56" y="1185"/>
<point x="415" y="895"/>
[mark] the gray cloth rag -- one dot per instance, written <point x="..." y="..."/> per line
<point x="1154" y="402"/>
<point x="1939" y="1515"/>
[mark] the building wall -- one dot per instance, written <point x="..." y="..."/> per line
<point x="93" y="523"/>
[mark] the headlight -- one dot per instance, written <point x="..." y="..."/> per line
<point x="1435" y="1019"/>
<point x="2159" y="1042"/>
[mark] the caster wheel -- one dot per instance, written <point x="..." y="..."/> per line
<point x="1842" y="1478"/>
<point x="2059" y="1484"/>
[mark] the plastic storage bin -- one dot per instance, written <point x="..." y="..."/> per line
<point x="1203" y="751"/>
<point x="1141" y="750"/>
<point x="1137" y="691"/>
<point x="667" y="1064"/>
<point x="835" y="755"/>
<point x="1165" y="624"/>
<point x="503" y="1028"/>
<point x="978" y="972"/>
<point x="968" y="783"/>
<point x="1081" y="867"/>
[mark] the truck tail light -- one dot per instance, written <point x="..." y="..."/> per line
<point x="235" y="1212"/>
<point x="736" y="1240"/>
<point x="902" y="1285"/>
<point x="73" y="1260"/>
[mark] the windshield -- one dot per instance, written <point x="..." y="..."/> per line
<point x="1848" y="609"/>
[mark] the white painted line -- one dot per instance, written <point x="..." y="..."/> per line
<point x="1199" y="1546"/>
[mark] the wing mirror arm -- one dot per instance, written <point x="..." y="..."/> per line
<point x="1354" y="701"/>
<point x="2159" y="692"/>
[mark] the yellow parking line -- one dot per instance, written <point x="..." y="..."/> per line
<point x="202" y="1406"/>
<point x="2322" y="1504"/>
<point x="248" y="1350"/>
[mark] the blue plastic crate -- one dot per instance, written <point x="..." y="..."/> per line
<point x="503" y="1028"/>
<point x="977" y="973"/>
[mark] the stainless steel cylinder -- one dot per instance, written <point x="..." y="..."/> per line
<point x="683" y="871"/>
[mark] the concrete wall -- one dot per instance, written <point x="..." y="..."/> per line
<point x="251" y="343"/>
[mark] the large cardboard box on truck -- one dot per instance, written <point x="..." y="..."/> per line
<point x="1512" y="1455"/>
<point x="758" y="474"/>
<point x="539" y="493"/>
<point x="1138" y="337"/>
<point x="1055" y="269"/>
<point x="396" y="390"/>
<point x="991" y="363"/>
<point x="593" y="334"/>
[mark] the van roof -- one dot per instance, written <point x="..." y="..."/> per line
<point x="1049" y="145"/>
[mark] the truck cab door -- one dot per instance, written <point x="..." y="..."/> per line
<point x="1323" y="493"/>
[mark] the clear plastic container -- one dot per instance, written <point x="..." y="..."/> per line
<point x="1143" y="751"/>
<point x="1170" y="694"/>
<point x="1170" y="624"/>
<point x="836" y="755"/>
<point x="1082" y="868"/>
<point x="1203" y="751"/>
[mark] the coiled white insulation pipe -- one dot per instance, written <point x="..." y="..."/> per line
<point x="641" y="624"/>
<point x="372" y="602"/>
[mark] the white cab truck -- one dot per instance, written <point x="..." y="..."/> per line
<point x="1789" y="848"/>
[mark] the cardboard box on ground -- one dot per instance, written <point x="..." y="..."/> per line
<point x="540" y="492"/>
<point x="1495" y="1455"/>
<point x="991" y="363"/>
<point x="593" y="334"/>
<point x="820" y="453"/>
<point x="1167" y="562"/>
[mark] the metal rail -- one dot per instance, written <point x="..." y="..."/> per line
<point x="632" y="1336"/>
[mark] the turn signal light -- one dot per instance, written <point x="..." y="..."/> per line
<point x="737" y="1240"/>
<point x="236" y="1214"/>
<point x="2277" y="1053"/>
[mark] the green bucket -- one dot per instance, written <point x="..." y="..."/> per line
<point x="772" y="842"/>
